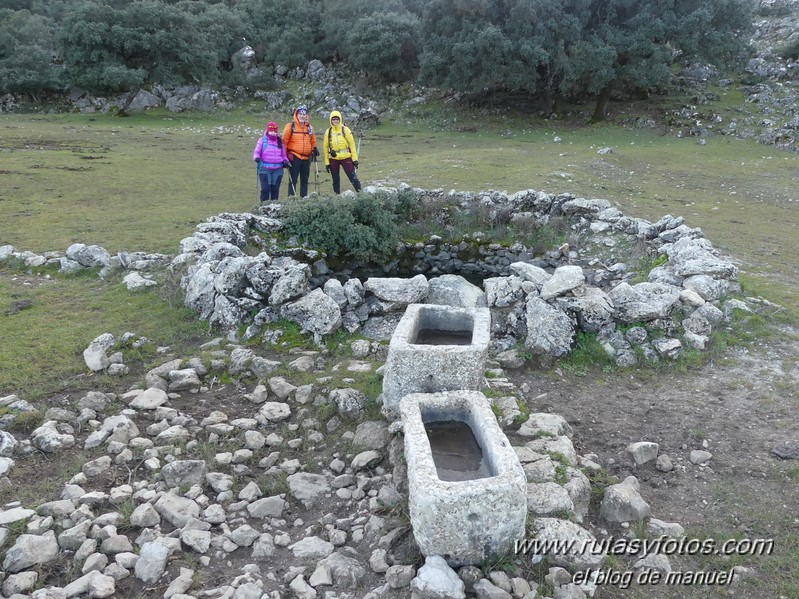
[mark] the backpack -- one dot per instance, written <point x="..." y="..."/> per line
<point x="279" y="141"/>
<point x="310" y="129"/>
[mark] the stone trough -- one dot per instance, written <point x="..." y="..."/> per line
<point x="435" y="348"/>
<point x="465" y="505"/>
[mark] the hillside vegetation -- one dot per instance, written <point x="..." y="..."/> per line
<point x="549" y="52"/>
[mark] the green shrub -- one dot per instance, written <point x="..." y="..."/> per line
<point x="407" y="206"/>
<point x="363" y="227"/>
<point x="790" y="52"/>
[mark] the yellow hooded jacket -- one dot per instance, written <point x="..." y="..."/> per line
<point x="340" y="140"/>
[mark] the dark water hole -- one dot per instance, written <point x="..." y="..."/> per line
<point x="438" y="337"/>
<point x="456" y="454"/>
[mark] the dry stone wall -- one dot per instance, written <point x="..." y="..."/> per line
<point x="541" y="302"/>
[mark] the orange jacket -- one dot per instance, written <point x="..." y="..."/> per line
<point x="299" y="139"/>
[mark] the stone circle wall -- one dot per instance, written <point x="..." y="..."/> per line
<point x="538" y="302"/>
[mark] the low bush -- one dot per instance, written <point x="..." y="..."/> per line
<point x="790" y="51"/>
<point x="363" y="227"/>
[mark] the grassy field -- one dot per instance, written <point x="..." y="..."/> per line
<point x="144" y="182"/>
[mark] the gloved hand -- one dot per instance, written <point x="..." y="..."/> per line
<point x="258" y="161"/>
<point x="327" y="168"/>
<point x="286" y="164"/>
<point x="315" y="152"/>
<point x="355" y="163"/>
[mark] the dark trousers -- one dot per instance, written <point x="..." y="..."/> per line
<point x="349" y="170"/>
<point x="270" y="184"/>
<point x="302" y="169"/>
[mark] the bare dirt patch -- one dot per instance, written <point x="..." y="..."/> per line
<point x="738" y="410"/>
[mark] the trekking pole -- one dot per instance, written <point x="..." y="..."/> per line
<point x="358" y="147"/>
<point x="316" y="174"/>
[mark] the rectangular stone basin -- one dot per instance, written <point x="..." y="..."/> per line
<point x="481" y="514"/>
<point x="435" y="348"/>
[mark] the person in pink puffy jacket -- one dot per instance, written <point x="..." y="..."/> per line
<point x="270" y="156"/>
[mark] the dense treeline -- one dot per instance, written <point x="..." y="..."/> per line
<point x="548" y="49"/>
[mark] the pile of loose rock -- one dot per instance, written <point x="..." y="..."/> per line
<point x="79" y="257"/>
<point x="276" y="489"/>
<point x="284" y="487"/>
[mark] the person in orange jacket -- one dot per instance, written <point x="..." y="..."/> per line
<point x="299" y="140"/>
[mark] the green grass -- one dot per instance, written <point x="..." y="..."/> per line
<point x="43" y="475"/>
<point x="42" y="346"/>
<point x="144" y="182"/>
<point x="272" y="484"/>
<point x="70" y="178"/>
<point x="291" y="336"/>
<point x="588" y="355"/>
<point x="125" y="510"/>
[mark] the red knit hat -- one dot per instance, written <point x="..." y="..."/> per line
<point x="271" y="126"/>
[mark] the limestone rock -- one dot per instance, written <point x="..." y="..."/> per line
<point x="548" y="499"/>
<point x="549" y="331"/>
<point x="180" y="472"/>
<point x="564" y="279"/>
<point x="177" y="510"/>
<point x="135" y="282"/>
<point x="95" y="355"/>
<point x="436" y="580"/>
<point x="292" y="284"/>
<point x="30" y="550"/>
<point x="502" y="292"/>
<point x="311" y="547"/>
<point x="152" y="562"/>
<point x="454" y="290"/>
<point x="642" y="452"/>
<point x="347" y="571"/>
<point x="644" y="302"/>
<point x="268" y="507"/>
<point x="485" y="589"/>
<point x="350" y="402"/>
<point x="543" y="424"/>
<point x="530" y="272"/>
<point x="150" y="399"/>
<point x="308" y="488"/>
<point x="315" y="312"/>
<point x="623" y="503"/>
<point x="400" y="291"/>
<point x="48" y="439"/>
<point x="581" y="555"/>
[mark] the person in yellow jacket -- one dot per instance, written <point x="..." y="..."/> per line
<point x="340" y="153"/>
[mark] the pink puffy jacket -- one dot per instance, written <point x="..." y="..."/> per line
<point x="271" y="154"/>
